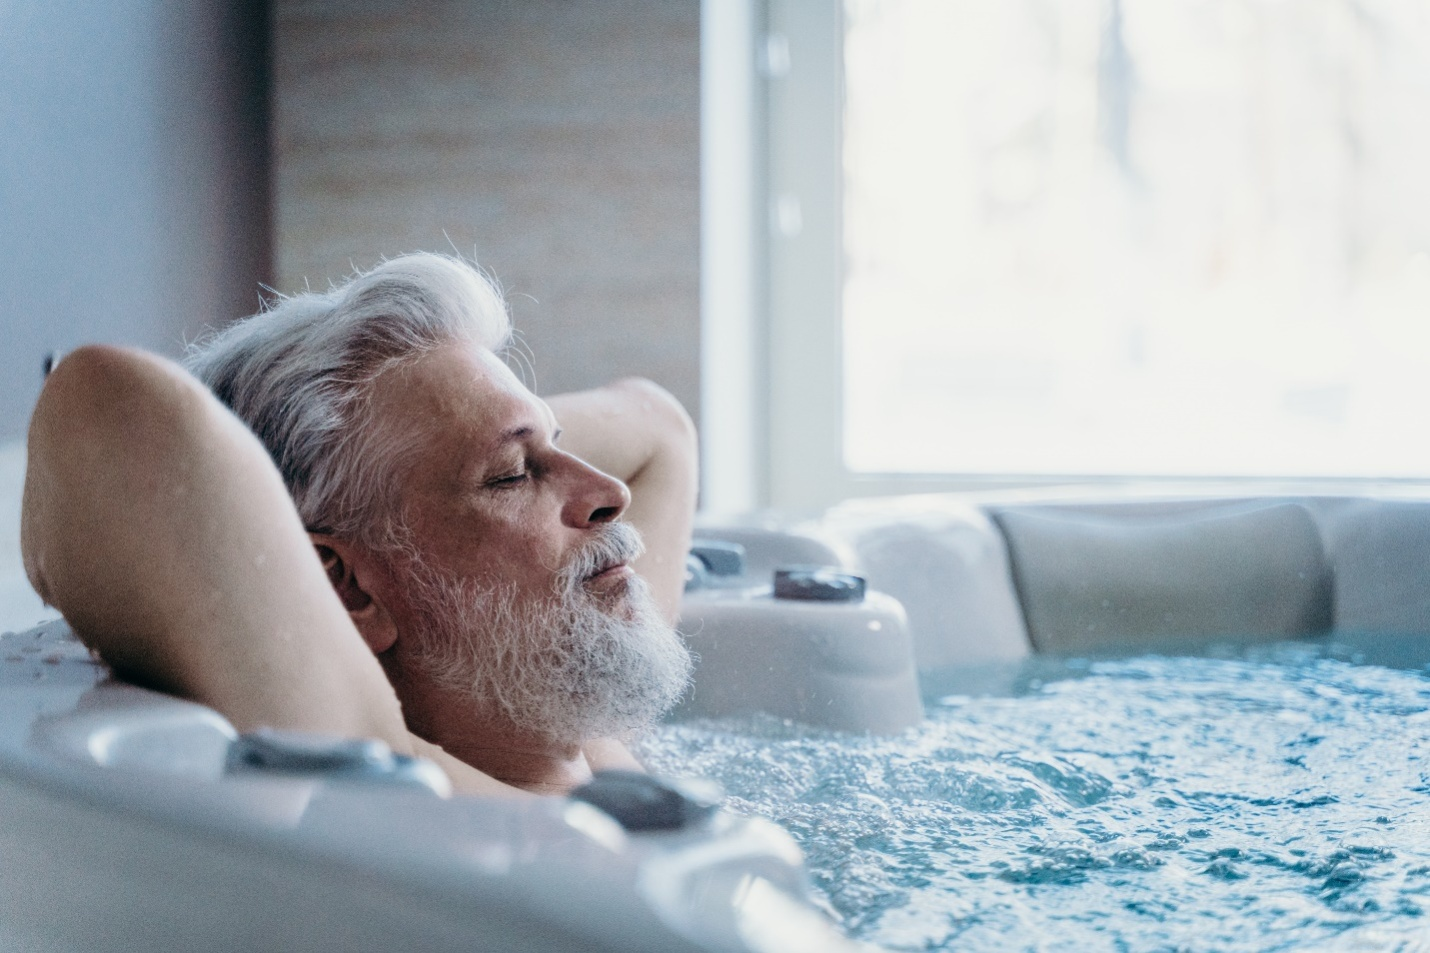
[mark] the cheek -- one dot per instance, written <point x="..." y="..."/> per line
<point x="511" y="540"/>
<point x="512" y="554"/>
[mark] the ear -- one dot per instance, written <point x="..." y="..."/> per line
<point x="350" y="575"/>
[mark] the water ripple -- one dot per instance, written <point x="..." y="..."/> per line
<point x="1152" y="803"/>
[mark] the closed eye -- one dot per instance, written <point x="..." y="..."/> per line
<point x="511" y="479"/>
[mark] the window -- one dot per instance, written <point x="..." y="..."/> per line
<point x="1051" y="238"/>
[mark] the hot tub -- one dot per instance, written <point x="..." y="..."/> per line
<point x="128" y="827"/>
<point x="1157" y="719"/>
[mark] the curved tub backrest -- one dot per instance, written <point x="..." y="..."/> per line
<point x="1156" y="576"/>
<point x="985" y="578"/>
<point x="1380" y="549"/>
<point x="947" y="563"/>
<point x="1381" y="552"/>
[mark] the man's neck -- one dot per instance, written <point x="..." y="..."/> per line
<point x="541" y="768"/>
<point x="491" y="744"/>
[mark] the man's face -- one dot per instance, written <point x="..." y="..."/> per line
<point x="519" y="597"/>
<point x="488" y="495"/>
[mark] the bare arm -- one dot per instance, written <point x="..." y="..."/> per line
<point x="155" y="522"/>
<point x="637" y="432"/>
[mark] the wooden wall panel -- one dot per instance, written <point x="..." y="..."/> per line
<point x="555" y="140"/>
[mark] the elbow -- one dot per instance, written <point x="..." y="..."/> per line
<point x="667" y="418"/>
<point x="101" y="409"/>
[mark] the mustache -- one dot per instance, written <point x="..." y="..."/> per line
<point x="614" y="543"/>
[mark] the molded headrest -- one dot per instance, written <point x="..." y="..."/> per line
<point x="1139" y="576"/>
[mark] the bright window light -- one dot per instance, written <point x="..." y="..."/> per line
<point x="1182" y="237"/>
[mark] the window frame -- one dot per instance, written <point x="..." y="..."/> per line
<point x="772" y="349"/>
<point x="802" y="69"/>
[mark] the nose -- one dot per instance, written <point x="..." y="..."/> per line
<point x="595" y="497"/>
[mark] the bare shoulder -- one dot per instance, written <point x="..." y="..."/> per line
<point x="465" y="778"/>
<point x="608" y="754"/>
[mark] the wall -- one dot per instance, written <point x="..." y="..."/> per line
<point x="556" y="141"/>
<point x="133" y="178"/>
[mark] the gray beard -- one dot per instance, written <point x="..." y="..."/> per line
<point x="568" y="668"/>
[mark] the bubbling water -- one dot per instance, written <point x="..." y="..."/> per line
<point x="1148" y="803"/>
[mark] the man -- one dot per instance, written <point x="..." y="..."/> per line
<point x="448" y="568"/>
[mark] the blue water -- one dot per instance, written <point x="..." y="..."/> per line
<point x="1140" y="804"/>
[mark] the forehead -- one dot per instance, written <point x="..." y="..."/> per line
<point x="457" y="394"/>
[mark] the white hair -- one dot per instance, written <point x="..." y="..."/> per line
<point x="300" y="373"/>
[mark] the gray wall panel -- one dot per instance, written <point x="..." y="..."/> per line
<point x="133" y="177"/>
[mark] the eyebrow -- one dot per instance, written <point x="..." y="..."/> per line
<point x="514" y="434"/>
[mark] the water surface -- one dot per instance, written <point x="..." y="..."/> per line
<point x="1140" y="804"/>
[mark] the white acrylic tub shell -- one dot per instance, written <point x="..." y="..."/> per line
<point x="120" y="831"/>
<point x="847" y="667"/>
<point x="988" y="579"/>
